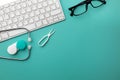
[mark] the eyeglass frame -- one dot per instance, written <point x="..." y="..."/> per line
<point x="86" y="3"/>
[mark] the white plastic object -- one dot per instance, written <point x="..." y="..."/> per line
<point x="12" y="49"/>
<point x="29" y="39"/>
<point x="29" y="47"/>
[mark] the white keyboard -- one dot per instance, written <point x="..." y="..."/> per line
<point x="30" y="14"/>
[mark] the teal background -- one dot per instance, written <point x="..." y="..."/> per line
<point x="83" y="48"/>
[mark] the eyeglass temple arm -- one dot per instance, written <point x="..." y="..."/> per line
<point x="102" y="1"/>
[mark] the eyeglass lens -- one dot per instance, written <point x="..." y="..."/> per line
<point x="78" y="10"/>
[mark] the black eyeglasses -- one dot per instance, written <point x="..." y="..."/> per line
<point x="76" y="10"/>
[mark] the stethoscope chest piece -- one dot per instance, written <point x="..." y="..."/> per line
<point x="15" y="47"/>
<point x="21" y="45"/>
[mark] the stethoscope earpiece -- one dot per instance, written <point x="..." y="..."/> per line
<point x="29" y="39"/>
<point x="29" y="47"/>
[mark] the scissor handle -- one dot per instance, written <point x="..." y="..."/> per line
<point x="42" y="39"/>
<point x="45" y="38"/>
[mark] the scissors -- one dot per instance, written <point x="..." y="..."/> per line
<point x="42" y="42"/>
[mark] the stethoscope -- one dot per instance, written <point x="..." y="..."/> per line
<point x="21" y="44"/>
<point x="17" y="46"/>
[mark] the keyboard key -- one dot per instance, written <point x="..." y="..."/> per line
<point x="44" y="4"/>
<point x="12" y="3"/>
<point x="34" y="7"/>
<point x="18" y="7"/>
<point x="0" y="25"/>
<point x="45" y="22"/>
<point x="55" y="12"/>
<point x="50" y="2"/>
<point x="9" y="22"/>
<point x="23" y="5"/>
<point x="4" y="35"/>
<point x="0" y="38"/>
<point x="4" y="24"/>
<point x="30" y="27"/>
<point x="61" y="16"/>
<point x="39" y="5"/>
<point x="14" y="26"/>
<point x="6" y="17"/>
<point x="17" y="13"/>
<point x="7" y="10"/>
<point x="37" y="12"/>
<point x="34" y="1"/>
<point x="29" y="3"/>
<point x="2" y="28"/>
<point x="40" y="0"/>
<point x="31" y="21"/>
<point x="57" y="4"/>
<point x="26" y="16"/>
<point x="6" y="5"/>
<point x="47" y="15"/>
<point x="42" y="17"/>
<point x="1" y="12"/>
<point x="56" y="19"/>
<point x="15" y="20"/>
<point x="38" y="24"/>
<point x="8" y="27"/>
<point x="21" y="18"/>
<point x="42" y="11"/>
<point x="53" y="7"/>
<point x="36" y="19"/>
<point x="20" y="24"/>
<point x="25" y="22"/>
<point x="30" y="14"/>
<point x="12" y="8"/>
<point x="15" y="32"/>
<point x="47" y="8"/>
<point x="12" y="15"/>
<point x="1" y="18"/>
<point x="23" y="11"/>
<point x="18" y="1"/>
<point x="50" y="20"/>
<point x="28" y="9"/>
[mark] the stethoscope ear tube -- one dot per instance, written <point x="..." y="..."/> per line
<point x="18" y="59"/>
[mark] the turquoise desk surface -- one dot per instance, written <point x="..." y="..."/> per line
<point x="83" y="48"/>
